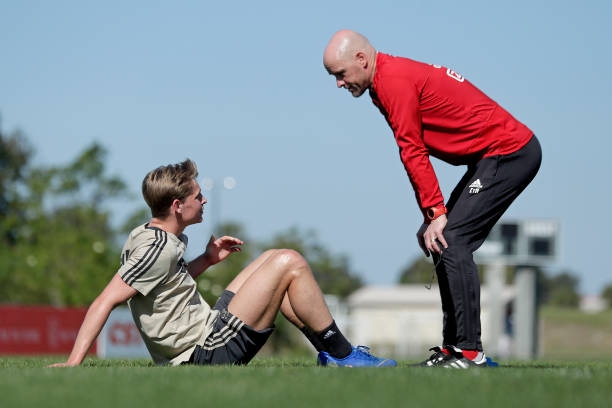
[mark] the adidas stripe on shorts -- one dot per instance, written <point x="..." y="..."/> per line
<point x="231" y="341"/>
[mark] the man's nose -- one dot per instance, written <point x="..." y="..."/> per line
<point x="340" y="83"/>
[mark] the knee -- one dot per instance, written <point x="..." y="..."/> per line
<point x="451" y="237"/>
<point x="458" y="239"/>
<point x="290" y="260"/>
<point x="463" y="242"/>
<point x="457" y="248"/>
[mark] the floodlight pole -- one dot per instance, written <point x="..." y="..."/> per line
<point x="495" y="276"/>
<point x="215" y="187"/>
<point x="525" y="314"/>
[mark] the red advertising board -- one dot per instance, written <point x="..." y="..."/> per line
<point x="39" y="329"/>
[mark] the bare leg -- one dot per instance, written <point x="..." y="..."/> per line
<point x="287" y="311"/>
<point x="282" y="279"/>
<point x="279" y="277"/>
<point x="246" y="273"/>
<point x="238" y="281"/>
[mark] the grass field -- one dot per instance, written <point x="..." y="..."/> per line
<point x="298" y="382"/>
<point x="572" y="334"/>
<point x="574" y="370"/>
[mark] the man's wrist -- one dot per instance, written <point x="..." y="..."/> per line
<point x="434" y="212"/>
<point x="207" y="259"/>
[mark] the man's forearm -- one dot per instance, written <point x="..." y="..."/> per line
<point x="95" y="318"/>
<point x="197" y="266"/>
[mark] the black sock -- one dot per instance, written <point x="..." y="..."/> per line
<point x="312" y="338"/>
<point x="333" y="341"/>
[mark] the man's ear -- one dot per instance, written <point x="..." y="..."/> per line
<point x="177" y="206"/>
<point x="362" y="59"/>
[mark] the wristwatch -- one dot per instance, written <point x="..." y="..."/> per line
<point x="434" y="212"/>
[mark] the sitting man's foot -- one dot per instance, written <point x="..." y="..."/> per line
<point x="359" y="357"/>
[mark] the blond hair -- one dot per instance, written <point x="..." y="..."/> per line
<point x="163" y="185"/>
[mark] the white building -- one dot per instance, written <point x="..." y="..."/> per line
<point x="405" y="320"/>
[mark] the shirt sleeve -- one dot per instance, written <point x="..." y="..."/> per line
<point x="148" y="264"/>
<point x="398" y="101"/>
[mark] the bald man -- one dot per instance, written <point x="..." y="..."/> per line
<point x="434" y="111"/>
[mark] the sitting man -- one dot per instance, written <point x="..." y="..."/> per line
<point x="176" y="324"/>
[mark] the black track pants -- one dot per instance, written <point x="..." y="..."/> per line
<point x="478" y="201"/>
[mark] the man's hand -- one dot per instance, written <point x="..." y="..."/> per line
<point x="66" y="364"/>
<point x="219" y="249"/>
<point x="115" y="293"/>
<point x="429" y="233"/>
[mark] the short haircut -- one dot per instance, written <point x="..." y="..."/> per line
<point x="165" y="184"/>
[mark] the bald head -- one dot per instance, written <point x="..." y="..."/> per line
<point x="344" y="44"/>
<point x="351" y="58"/>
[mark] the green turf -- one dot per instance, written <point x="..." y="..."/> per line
<point x="273" y="382"/>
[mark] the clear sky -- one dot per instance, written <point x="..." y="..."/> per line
<point x="240" y="88"/>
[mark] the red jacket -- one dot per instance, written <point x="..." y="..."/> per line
<point x="433" y="110"/>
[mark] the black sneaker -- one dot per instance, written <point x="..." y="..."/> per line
<point x="458" y="360"/>
<point x="437" y="359"/>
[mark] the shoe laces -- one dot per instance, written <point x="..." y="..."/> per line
<point x="365" y="350"/>
<point x="438" y="353"/>
<point x="441" y="355"/>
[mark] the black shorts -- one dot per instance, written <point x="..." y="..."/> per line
<point x="231" y="341"/>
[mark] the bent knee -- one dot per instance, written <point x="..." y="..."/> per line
<point x="455" y="238"/>
<point x="290" y="259"/>
<point x="290" y="256"/>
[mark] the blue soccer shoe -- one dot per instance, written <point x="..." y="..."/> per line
<point x="359" y="357"/>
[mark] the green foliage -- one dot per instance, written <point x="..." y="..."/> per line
<point x="138" y="217"/>
<point x="419" y="270"/>
<point x="58" y="246"/>
<point x="84" y="180"/>
<point x="560" y="290"/>
<point x="66" y="259"/>
<point x="15" y="153"/>
<point x="606" y="294"/>
<point x="332" y="272"/>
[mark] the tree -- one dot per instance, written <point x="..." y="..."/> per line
<point x="58" y="245"/>
<point x="420" y="270"/>
<point x="561" y="290"/>
<point x="606" y="294"/>
<point x="15" y="154"/>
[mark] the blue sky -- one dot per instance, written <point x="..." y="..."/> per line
<point x="240" y="88"/>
